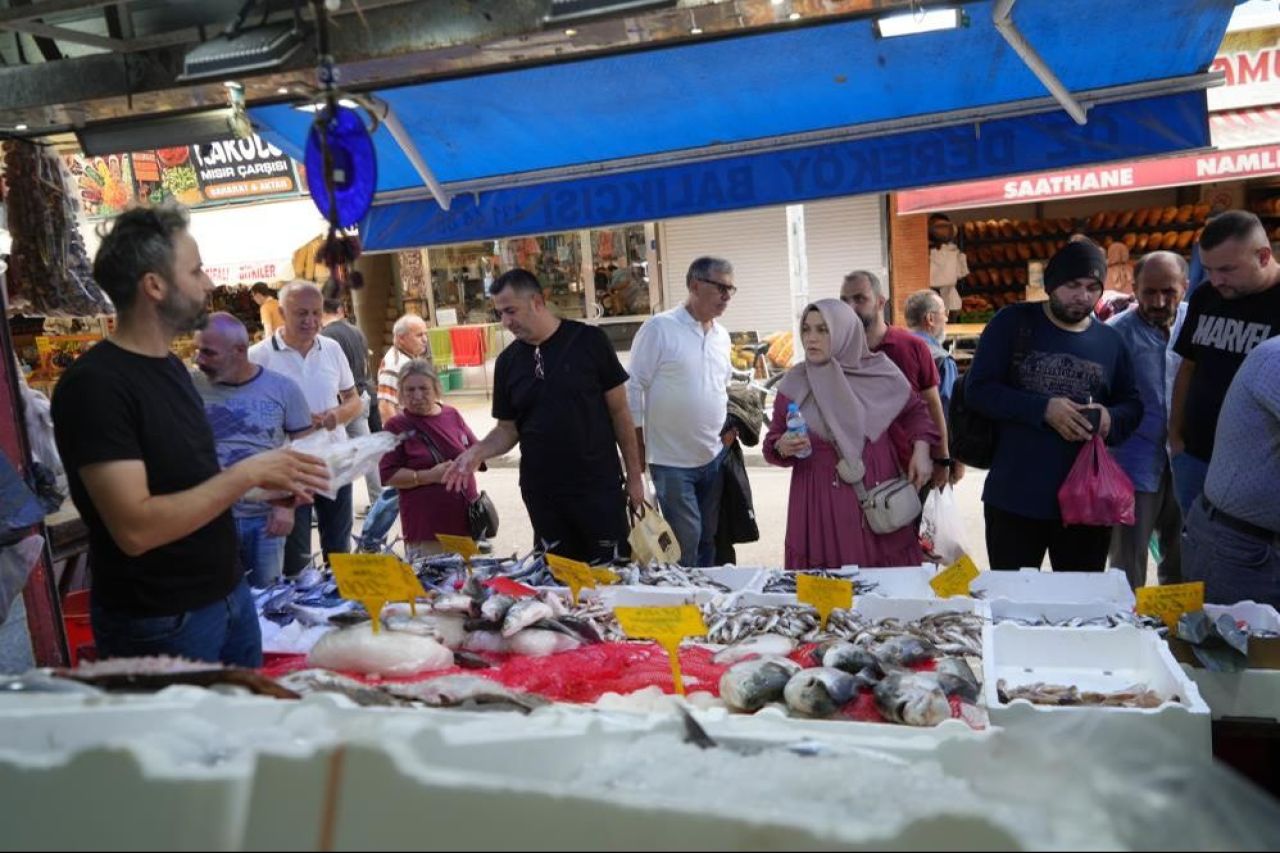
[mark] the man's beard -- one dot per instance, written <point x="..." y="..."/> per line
<point x="181" y="315"/>
<point x="1065" y="314"/>
<point x="867" y="321"/>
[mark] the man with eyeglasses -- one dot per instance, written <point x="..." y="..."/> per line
<point x="559" y="392"/>
<point x="680" y="372"/>
<point x="863" y="291"/>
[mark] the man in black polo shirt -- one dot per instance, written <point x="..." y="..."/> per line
<point x="141" y="463"/>
<point x="560" y="392"/>
<point x="1224" y="323"/>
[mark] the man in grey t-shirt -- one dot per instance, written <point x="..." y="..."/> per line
<point x="1232" y="539"/>
<point x="251" y="409"/>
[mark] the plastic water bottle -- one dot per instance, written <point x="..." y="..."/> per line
<point x="797" y="426"/>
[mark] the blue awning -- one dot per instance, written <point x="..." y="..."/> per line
<point x="787" y="115"/>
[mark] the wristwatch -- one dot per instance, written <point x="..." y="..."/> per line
<point x="945" y="461"/>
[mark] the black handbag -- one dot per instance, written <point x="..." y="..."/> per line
<point x="482" y="515"/>
<point x="972" y="436"/>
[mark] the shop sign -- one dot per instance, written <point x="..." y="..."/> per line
<point x="223" y="274"/>
<point x="235" y="169"/>
<point x="1126" y="177"/>
<point x="1250" y="64"/>
<point x="874" y="164"/>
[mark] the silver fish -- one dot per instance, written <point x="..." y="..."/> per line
<point x="848" y="658"/>
<point x="914" y="699"/>
<point x="749" y="685"/>
<point x="903" y="650"/>
<point x="453" y="603"/>
<point x="769" y="645"/>
<point x="956" y="678"/>
<point x="495" y="607"/>
<point x="469" y="691"/>
<point x="819" y="692"/>
<point x="524" y="613"/>
<point x="307" y="681"/>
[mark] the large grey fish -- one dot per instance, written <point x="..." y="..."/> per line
<point x="524" y="613"/>
<point x="307" y="681"/>
<point x="820" y="691"/>
<point x="956" y="678"/>
<point x="915" y="699"/>
<point x="467" y="691"/>
<point x="749" y="685"/>
<point x="903" y="650"/>
<point x="495" y="607"/>
<point x="849" y="658"/>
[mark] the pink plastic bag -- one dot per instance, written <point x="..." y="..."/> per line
<point x="1097" y="491"/>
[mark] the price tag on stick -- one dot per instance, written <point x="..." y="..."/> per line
<point x="371" y="579"/>
<point x="464" y="545"/>
<point x="1170" y="602"/>
<point x="825" y="594"/>
<point x="572" y="573"/>
<point x="667" y="626"/>
<point x="955" y="578"/>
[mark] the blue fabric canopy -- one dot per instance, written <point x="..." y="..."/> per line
<point x="731" y="123"/>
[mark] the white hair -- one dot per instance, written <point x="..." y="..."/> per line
<point x="403" y="326"/>
<point x="299" y="286"/>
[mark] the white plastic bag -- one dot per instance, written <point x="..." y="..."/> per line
<point x="347" y="459"/>
<point x="941" y="532"/>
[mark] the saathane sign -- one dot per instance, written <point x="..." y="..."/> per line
<point x="1102" y="180"/>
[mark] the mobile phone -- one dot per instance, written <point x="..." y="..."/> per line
<point x="1095" y="419"/>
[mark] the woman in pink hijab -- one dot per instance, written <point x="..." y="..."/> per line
<point x="855" y="403"/>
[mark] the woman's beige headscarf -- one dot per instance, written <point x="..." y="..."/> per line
<point x="853" y="397"/>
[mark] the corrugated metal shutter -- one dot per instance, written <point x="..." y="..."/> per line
<point x="842" y="235"/>
<point x="755" y="242"/>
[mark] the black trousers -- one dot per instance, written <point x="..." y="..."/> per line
<point x="591" y="527"/>
<point x="1016" y="542"/>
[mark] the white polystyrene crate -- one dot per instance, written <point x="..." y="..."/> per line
<point x="901" y="582"/>
<point x="1052" y="612"/>
<point x="659" y="596"/>
<point x="1253" y="692"/>
<point x="738" y="578"/>
<point x="1102" y="659"/>
<point x="1032" y="585"/>
<point x="875" y="608"/>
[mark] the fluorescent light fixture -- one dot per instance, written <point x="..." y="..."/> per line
<point x="794" y="16"/>
<point x="924" y="21"/>
<point x="571" y="32"/>
<point x="695" y="31"/>
<point x="19" y="127"/>
<point x="319" y="105"/>
<point x="165" y="131"/>
<point x="263" y="48"/>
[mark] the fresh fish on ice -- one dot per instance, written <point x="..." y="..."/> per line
<point x="524" y="613"/>
<point x="819" y="692"/>
<point x="468" y="691"/>
<point x="765" y="645"/>
<point x="539" y="642"/>
<point x="749" y="685"/>
<point x="495" y="607"/>
<point x="848" y="658"/>
<point x="486" y="641"/>
<point x="914" y="699"/>
<point x="358" y="649"/>
<point x="445" y="628"/>
<point x="308" y="681"/>
<point x="956" y="678"/>
<point x="903" y="650"/>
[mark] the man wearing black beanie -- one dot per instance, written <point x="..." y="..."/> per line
<point x="1049" y="375"/>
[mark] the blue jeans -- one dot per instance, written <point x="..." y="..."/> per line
<point x="1234" y="566"/>
<point x="225" y="631"/>
<point x="378" y="521"/>
<point x="333" y="517"/>
<point x="261" y="556"/>
<point x="690" y="502"/>
<point x="1188" y="479"/>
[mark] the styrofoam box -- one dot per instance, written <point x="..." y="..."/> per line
<point x="1032" y="585"/>
<point x="738" y="578"/>
<point x="1251" y="692"/>
<point x="898" y="582"/>
<point x="659" y="596"/>
<point x="1004" y="609"/>
<point x="876" y="608"/>
<point x="1103" y="659"/>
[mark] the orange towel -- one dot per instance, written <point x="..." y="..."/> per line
<point x="468" y="346"/>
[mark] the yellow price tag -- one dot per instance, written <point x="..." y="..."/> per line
<point x="1170" y="602"/>
<point x="371" y="579"/>
<point x="412" y="587"/>
<point x="572" y="573"/>
<point x="666" y="625"/>
<point x="955" y="578"/>
<point x="464" y="545"/>
<point x="604" y="576"/>
<point x="825" y="594"/>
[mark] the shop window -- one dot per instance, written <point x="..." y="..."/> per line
<point x="460" y="279"/>
<point x="556" y="259"/>
<point x="621" y="271"/>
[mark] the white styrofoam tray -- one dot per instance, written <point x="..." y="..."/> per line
<point x="898" y="582"/>
<point x="1102" y="659"/>
<point x="1032" y="585"/>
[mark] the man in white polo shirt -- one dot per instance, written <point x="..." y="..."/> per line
<point x="678" y="396"/>
<point x="321" y="370"/>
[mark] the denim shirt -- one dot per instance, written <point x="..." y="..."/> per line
<point x="1144" y="455"/>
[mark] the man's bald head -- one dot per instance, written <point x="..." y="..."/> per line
<point x="1160" y="279"/>
<point x="222" y="349"/>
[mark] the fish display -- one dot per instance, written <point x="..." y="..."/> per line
<point x="464" y="691"/>
<point x="912" y="699"/>
<point x="359" y="649"/>
<point x="667" y="574"/>
<point x="749" y="685"/>
<point x="819" y="691"/>
<point x="784" y="581"/>
<point x="1040" y="693"/>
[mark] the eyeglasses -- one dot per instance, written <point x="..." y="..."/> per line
<point x="725" y="289"/>
<point x="539" y="371"/>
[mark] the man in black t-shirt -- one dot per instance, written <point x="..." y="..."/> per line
<point x="560" y="392"/>
<point x="142" y="467"/>
<point x="1224" y="323"/>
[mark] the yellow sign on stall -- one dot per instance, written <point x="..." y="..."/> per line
<point x="464" y="545"/>
<point x="955" y="578"/>
<point x="1170" y="602"/>
<point x="825" y="594"/>
<point x="665" y="625"/>
<point x="572" y="573"/>
<point x="373" y="580"/>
